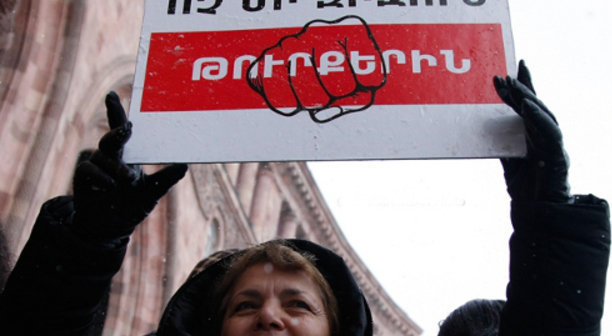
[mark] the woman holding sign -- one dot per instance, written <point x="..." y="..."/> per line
<point x="559" y="255"/>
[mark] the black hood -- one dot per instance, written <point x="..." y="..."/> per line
<point x="191" y="309"/>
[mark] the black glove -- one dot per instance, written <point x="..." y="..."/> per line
<point x="542" y="174"/>
<point x="111" y="197"/>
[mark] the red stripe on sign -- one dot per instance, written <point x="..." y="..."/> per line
<point x="425" y="64"/>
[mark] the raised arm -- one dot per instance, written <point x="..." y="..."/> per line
<point x="78" y="243"/>
<point x="560" y="247"/>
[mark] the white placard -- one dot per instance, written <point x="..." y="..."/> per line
<point x="275" y="80"/>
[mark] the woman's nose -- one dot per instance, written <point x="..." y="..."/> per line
<point x="271" y="317"/>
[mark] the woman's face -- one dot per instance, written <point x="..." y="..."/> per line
<point x="268" y="301"/>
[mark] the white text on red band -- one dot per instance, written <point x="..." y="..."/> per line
<point x="217" y="68"/>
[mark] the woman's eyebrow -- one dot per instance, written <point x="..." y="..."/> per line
<point x="251" y="293"/>
<point x="290" y="292"/>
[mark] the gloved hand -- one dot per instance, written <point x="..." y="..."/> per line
<point x="111" y="197"/>
<point x="542" y="174"/>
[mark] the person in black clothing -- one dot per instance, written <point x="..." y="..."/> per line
<point x="560" y="247"/>
<point x="476" y="317"/>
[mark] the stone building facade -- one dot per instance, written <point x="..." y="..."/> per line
<point x="58" y="59"/>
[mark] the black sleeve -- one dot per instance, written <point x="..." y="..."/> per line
<point x="59" y="281"/>
<point x="558" y="262"/>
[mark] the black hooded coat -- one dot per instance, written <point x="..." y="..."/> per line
<point x="190" y="311"/>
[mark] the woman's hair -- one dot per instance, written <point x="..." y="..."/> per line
<point x="283" y="257"/>
<point x="475" y="318"/>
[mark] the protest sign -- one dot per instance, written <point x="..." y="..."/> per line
<point x="272" y="80"/>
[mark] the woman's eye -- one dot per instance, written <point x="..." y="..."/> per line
<point x="244" y="306"/>
<point x="299" y="304"/>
